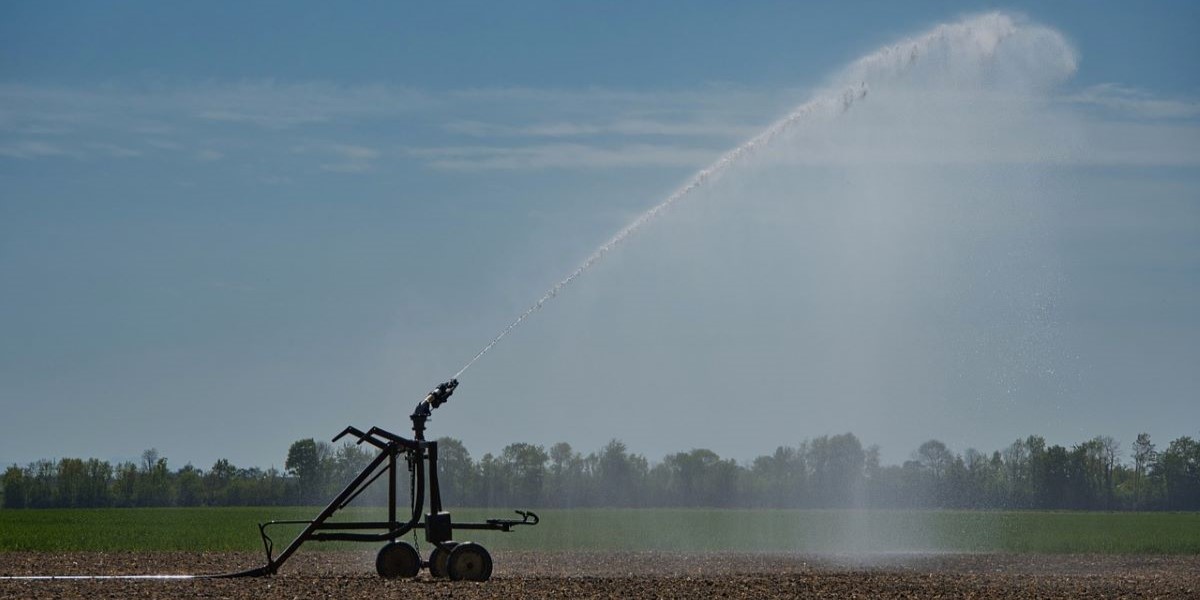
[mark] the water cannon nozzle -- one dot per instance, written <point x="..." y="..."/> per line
<point x="440" y="394"/>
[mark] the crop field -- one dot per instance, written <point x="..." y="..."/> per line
<point x="628" y="553"/>
<point x="671" y="530"/>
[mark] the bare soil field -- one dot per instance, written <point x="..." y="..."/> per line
<point x="340" y="574"/>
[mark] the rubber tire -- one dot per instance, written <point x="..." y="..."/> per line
<point x="397" y="559"/>
<point x="469" y="561"/>
<point x="439" y="559"/>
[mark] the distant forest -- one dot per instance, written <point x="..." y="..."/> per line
<point x="825" y="472"/>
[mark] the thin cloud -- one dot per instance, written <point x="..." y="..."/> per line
<point x="716" y="95"/>
<point x="341" y="158"/>
<point x="265" y="104"/>
<point x="43" y="129"/>
<point x="164" y="144"/>
<point x="560" y="156"/>
<point x="275" y="180"/>
<point x="273" y="105"/>
<point x="111" y="150"/>
<point x="697" y="128"/>
<point x="351" y="152"/>
<point x="587" y="128"/>
<point x="560" y="129"/>
<point x="346" y="167"/>
<point x="30" y="149"/>
<point x="1135" y="102"/>
<point x="627" y="127"/>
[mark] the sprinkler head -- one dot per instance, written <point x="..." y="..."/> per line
<point x="440" y="394"/>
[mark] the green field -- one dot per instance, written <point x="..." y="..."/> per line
<point x="695" y="530"/>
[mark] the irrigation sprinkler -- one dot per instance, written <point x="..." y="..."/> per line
<point x="457" y="560"/>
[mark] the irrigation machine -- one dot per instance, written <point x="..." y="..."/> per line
<point x="457" y="560"/>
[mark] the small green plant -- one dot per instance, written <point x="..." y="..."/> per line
<point x="687" y="530"/>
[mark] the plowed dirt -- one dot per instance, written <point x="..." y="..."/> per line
<point x="614" y="575"/>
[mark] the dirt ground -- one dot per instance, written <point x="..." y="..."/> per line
<point x="616" y="575"/>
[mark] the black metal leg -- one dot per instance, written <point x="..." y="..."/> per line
<point x="327" y="512"/>
<point x="435" y="492"/>
<point x="392" y="493"/>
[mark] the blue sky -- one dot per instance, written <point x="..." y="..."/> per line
<point x="225" y="227"/>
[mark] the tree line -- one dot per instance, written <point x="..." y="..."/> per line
<point x="824" y="472"/>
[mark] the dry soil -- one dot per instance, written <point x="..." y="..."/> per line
<point x="618" y="575"/>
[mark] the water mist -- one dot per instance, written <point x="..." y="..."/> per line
<point x="875" y="261"/>
<point x="964" y="46"/>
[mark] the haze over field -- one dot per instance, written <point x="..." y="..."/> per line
<point x="988" y="227"/>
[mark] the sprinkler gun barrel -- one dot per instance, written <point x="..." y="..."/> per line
<point x="436" y="397"/>
<point x="440" y="394"/>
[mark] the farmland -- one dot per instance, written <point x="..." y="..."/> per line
<point x="621" y="575"/>
<point x="672" y="530"/>
<point x="610" y="553"/>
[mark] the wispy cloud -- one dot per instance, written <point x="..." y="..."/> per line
<point x="346" y="167"/>
<point x="513" y="128"/>
<point x="275" y="180"/>
<point x="561" y="156"/>
<point x="604" y="95"/>
<point x="27" y="149"/>
<point x="211" y="121"/>
<point x="114" y="122"/>
<point x="624" y="127"/>
<point x="30" y="149"/>
<point x="280" y="106"/>
<point x="1135" y="102"/>
<point x="111" y="150"/>
<point x="341" y="158"/>
<point x="263" y="103"/>
<point x="560" y="129"/>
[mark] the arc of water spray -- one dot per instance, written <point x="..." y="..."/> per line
<point x="987" y="31"/>
<point x="843" y="103"/>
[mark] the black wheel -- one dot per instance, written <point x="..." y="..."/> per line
<point x="469" y="562"/>
<point x="397" y="559"/>
<point x="438" y="559"/>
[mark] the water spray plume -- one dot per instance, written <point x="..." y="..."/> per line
<point x="982" y="35"/>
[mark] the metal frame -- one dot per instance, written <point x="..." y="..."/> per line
<point x="419" y="454"/>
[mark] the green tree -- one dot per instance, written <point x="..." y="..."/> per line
<point x="935" y="457"/>
<point x="308" y="462"/>
<point x="346" y="463"/>
<point x="1143" y="457"/>
<point x="1052" y="477"/>
<point x="568" y="484"/>
<point x="217" y="482"/>
<point x="98" y="476"/>
<point x="14" y="487"/>
<point x="621" y="475"/>
<point x="1110" y="461"/>
<point x="190" y="485"/>
<point x="457" y="473"/>
<point x="125" y="483"/>
<point x="493" y="481"/>
<point x="72" y="482"/>
<point x="1018" y="476"/>
<point x="778" y="480"/>
<point x="525" y="465"/>
<point x="153" y="487"/>
<point x="838" y="464"/>
<point x="936" y="461"/>
<point x="700" y="478"/>
<point x="1179" y="469"/>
